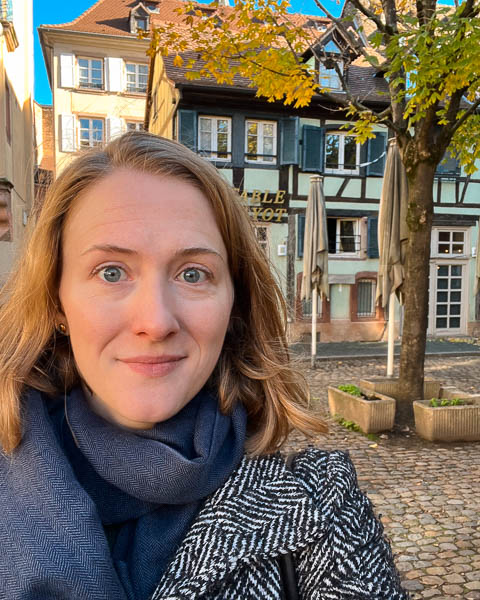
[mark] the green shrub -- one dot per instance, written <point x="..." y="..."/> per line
<point x="436" y="402"/>
<point x="350" y="389"/>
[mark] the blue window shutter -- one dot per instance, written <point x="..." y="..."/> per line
<point x="300" y="235"/>
<point x="313" y="148"/>
<point x="187" y="128"/>
<point x="289" y="130"/>
<point x="375" y="148"/>
<point x="451" y="166"/>
<point x="372" y="243"/>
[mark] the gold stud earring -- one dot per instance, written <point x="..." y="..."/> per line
<point x="62" y="328"/>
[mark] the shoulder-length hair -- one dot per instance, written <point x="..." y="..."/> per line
<point x="254" y="365"/>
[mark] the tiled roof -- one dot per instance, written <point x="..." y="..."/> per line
<point x="361" y="80"/>
<point x="110" y="17"/>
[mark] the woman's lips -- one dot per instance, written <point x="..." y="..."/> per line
<point x="153" y="366"/>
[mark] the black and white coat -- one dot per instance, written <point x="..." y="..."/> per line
<point x="264" y="510"/>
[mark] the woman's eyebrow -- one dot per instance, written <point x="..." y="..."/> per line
<point x="110" y="248"/>
<point x="182" y="252"/>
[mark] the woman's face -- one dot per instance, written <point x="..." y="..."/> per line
<point x="146" y="294"/>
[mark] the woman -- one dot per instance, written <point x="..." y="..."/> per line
<point x="145" y="385"/>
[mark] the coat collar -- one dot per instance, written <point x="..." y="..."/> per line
<point x="261" y="510"/>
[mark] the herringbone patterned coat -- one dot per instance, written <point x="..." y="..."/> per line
<point x="264" y="510"/>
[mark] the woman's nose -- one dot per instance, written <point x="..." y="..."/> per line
<point x="153" y="311"/>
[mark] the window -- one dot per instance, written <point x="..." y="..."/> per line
<point x="137" y="77"/>
<point x="343" y="236"/>
<point x="214" y="137"/>
<point x="261" y="142"/>
<point x="366" y="292"/>
<point x="134" y="126"/>
<point x="307" y="307"/>
<point x="342" y="154"/>
<point x="329" y="78"/>
<point x="261" y="233"/>
<point x="91" y="132"/>
<point x="141" y="22"/>
<point x="451" y="242"/>
<point x="90" y="73"/>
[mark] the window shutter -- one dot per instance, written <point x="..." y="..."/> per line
<point x="375" y="148"/>
<point x="451" y="166"/>
<point x="114" y="128"/>
<point x="289" y="140"/>
<point x="187" y="128"/>
<point x="372" y="232"/>
<point x="313" y="146"/>
<point x="67" y="70"/>
<point x="114" y="74"/>
<point x="300" y="235"/>
<point x="67" y="133"/>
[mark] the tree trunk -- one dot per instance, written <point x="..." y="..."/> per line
<point x="417" y="266"/>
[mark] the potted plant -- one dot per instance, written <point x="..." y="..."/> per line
<point x="373" y="412"/>
<point x="452" y="416"/>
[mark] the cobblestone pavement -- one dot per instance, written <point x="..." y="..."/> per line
<point x="427" y="493"/>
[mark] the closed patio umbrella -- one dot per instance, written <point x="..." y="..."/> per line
<point x="392" y="240"/>
<point x="477" y="263"/>
<point x="315" y="253"/>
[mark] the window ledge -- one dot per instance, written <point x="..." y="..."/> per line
<point x="8" y="31"/>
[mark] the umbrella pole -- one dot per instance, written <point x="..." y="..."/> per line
<point x="391" y="335"/>
<point x="314" y="325"/>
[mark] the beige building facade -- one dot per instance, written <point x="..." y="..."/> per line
<point x="16" y="127"/>
<point x="98" y="72"/>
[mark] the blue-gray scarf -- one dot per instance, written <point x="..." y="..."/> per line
<point x="95" y="512"/>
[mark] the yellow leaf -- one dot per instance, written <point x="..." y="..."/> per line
<point x="178" y="61"/>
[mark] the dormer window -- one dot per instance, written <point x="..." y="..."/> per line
<point x="139" y="19"/>
<point x="328" y="75"/>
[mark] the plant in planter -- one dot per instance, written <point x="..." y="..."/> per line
<point x="372" y="412"/>
<point x="450" y="417"/>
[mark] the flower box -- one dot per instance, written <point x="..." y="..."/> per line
<point x="449" y="423"/>
<point x="371" y="415"/>
<point x="389" y="386"/>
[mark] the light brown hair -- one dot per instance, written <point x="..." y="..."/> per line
<point x="254" y="365"/>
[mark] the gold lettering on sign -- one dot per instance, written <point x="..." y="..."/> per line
<point x="256" y="195"/>
<point x="265" y="198"/>
<point x="256" y="212"/>
<point x="279" y="212"/>
<point x="270" y="213"/>
<point x="244" y="195"/>
<point x="280" y="197"/>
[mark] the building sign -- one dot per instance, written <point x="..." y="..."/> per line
<point x="266" y="206"/>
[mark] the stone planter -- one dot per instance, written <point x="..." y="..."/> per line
<point x="389" y="386"/>
<point x="448" y="423"/>
<point x="372" y="416"/>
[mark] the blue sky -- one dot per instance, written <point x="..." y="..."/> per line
<point x="62" y="11"/>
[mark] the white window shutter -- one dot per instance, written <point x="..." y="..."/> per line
<point x="67" y="133"/>
<point x="114" y="74"/>
<point x="115" y="127"/>
<point x="67" y="70"/>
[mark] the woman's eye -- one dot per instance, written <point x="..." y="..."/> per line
<point x="112" y="274"/>
<point x="193" y="275"/>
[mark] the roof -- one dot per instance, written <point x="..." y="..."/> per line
<point x="110" y="17"/>
<point x="362" y="80"/>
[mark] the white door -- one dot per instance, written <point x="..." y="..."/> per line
<point x="448" y="298"/>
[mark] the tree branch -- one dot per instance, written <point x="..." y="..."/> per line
<point x="370" y="15"/>
<point x="459" y="122"/>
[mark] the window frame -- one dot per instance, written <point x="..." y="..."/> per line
<point x="264" y="244"/>
<point x="90" y="129"/>
<point x="214" y="133"/>
<point x="373" y="293"/>
<point x="89" y="68"/>
<point x="341" y="154"/>
<point x="357" y="235"/>
<point x="378" y="312"/>
<point x="328" y="75"/>
<point x="261" y="160"/>
<point x="138" y="125"/>
<point x="136" y="89"/>
<point x="435" y="251"/>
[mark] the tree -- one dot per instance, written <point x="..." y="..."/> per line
<point x="428" y="55"/>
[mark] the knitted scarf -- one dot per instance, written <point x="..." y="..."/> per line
<point x="95" y="512"/>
